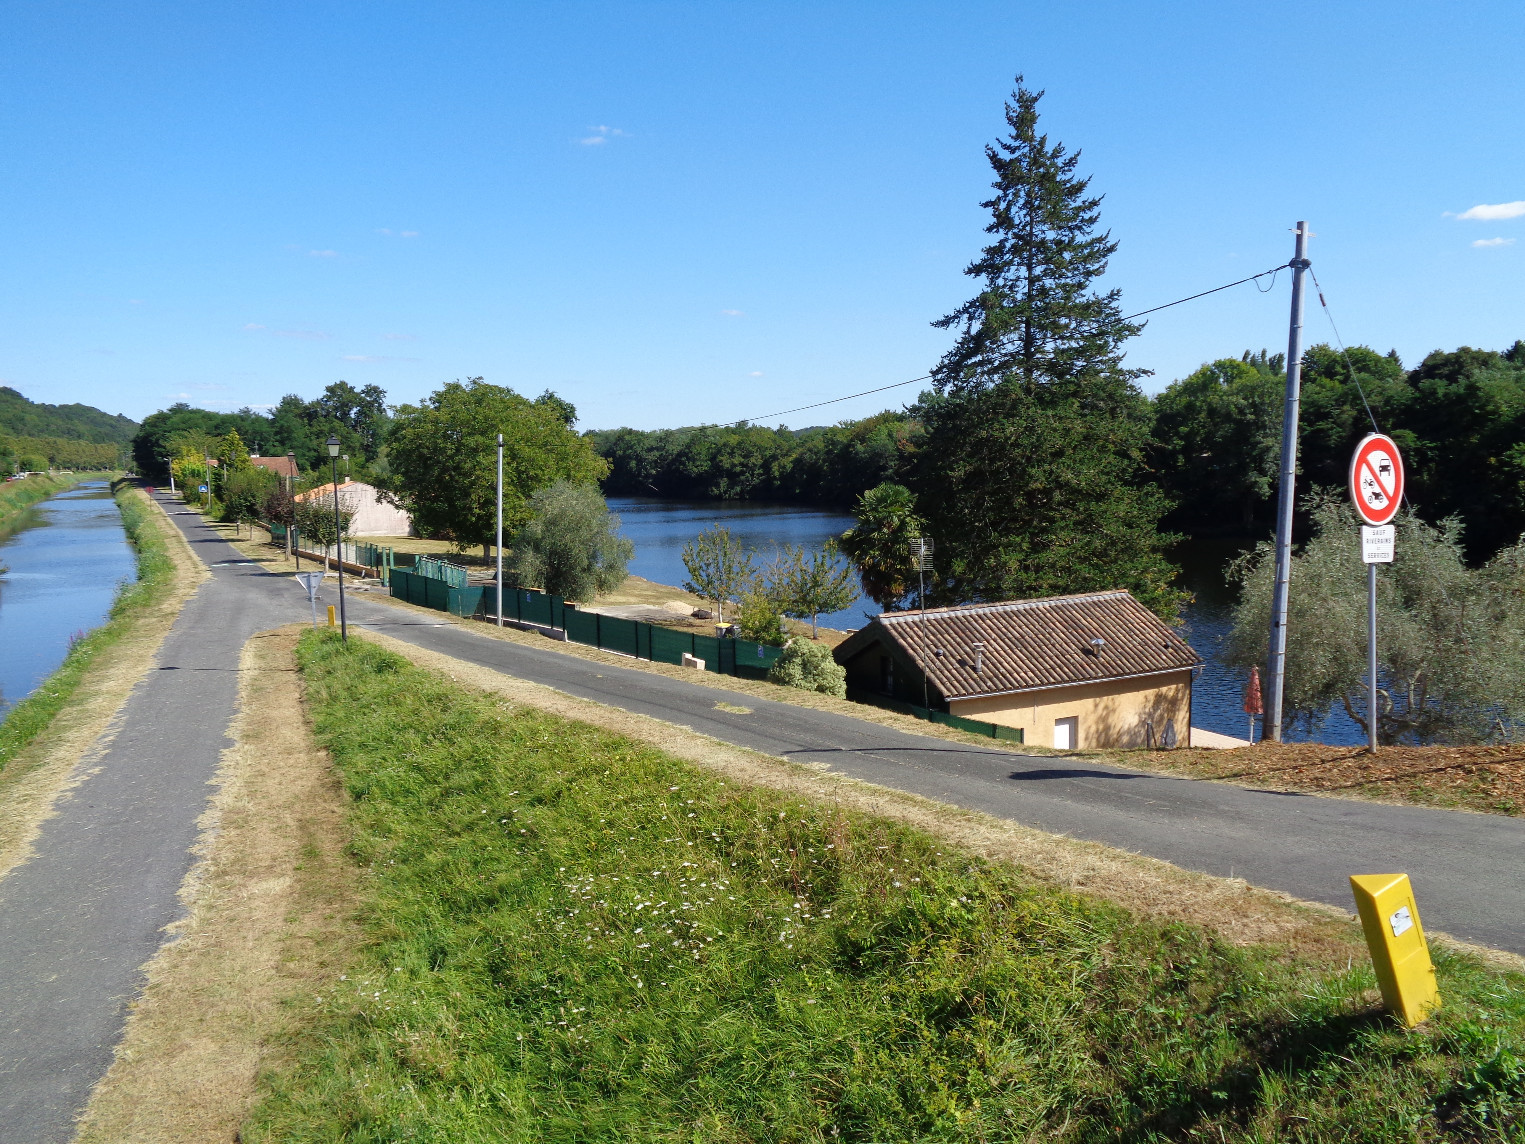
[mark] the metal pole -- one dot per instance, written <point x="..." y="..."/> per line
<point x="339" y="548"/>
<point x="1277" y="667"/>
<point x="500" y="530"/>
<point x="921" y="598"/>
<point x="1371" y="658"/>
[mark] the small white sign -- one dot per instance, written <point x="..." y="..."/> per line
<point x="1377" y="543"/>
<point x="1402" y="921"/>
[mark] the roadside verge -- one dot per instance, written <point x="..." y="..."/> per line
<point x="269" y="910"/>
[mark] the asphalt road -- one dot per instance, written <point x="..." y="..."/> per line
<point x="79" y="920"/>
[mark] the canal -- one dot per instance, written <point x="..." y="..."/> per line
<point x="67" y="558"/>
<point x="660" y="529"/>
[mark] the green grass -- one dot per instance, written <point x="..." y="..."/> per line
<point x="16" y="497"/>
<point x="575" y="937"/>
<point x="156" y="572"/>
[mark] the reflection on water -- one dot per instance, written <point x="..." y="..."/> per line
<point x="660" y="529"/>
<point x="66" y="562"/>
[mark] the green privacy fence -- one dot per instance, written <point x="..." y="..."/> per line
<point x="628" y="637"/>
<point x="432" y="592"/>
<point x="452" y="574"/>
<point x="973" y="726"/>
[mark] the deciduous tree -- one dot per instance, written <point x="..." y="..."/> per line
<point x="442" y="453"/>
<point x="719" y="568"/>
<point x="807" y="583"/>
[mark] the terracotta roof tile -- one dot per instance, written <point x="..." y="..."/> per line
<point x="1031" y="644"/>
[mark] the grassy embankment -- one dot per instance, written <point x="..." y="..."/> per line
<point x="156" y="572"/>
<point x="18" y="496"/>
<point x="575" y="936"/>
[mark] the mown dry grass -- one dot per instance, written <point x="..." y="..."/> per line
<point x="58" y="754"/>
<point x="269" y="911"/>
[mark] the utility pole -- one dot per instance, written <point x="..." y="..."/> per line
<point x="500" y="530"/>
<point x="1287" y="500"/>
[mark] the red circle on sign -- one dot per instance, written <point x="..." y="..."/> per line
<point x="1376" y="479"/>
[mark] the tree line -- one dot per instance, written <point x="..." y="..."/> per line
<point x="1212" y="443"/>
<point x="35" y="436"/>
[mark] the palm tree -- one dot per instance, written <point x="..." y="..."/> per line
<point x="880" y="545"/>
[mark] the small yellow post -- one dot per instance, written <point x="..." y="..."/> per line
<point x="330" y="615"/>
<point x="1398" y="949"/>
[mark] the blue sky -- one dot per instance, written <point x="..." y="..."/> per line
<point x="679" y="213"/>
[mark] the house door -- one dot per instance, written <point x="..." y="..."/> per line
<point x="1067" y="733"/>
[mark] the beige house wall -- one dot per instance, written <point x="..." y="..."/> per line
<point x="1108" y="714"/>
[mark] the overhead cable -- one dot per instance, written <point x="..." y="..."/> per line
<point x="928" y="377"/>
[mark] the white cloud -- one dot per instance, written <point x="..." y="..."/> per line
<point x="390" y="233"/>
<point x="731" y="313"/>
<point x="253" y="326"/>
<point x="755" y="373"/>
<point x="322" y="254"/>
<point x="1488" y="212"/>
<point x="601" y="134"/>
<point x="1494" y="242"/>
<point x="407" y="234"/>
<point x="362" y="357"/>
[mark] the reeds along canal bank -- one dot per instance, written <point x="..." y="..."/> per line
<point x="67" y="555"/>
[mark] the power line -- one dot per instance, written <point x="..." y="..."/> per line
<point x="1271" y="273"/>
<point x="1339" y="341"/>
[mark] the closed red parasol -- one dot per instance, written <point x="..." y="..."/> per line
<point x="1252" y="702"/>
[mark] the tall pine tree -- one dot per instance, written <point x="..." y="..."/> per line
<point x="1031" y="474"/>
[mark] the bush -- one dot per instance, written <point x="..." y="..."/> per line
<point x="759" y="617"/>
<point x="809" y="667"/>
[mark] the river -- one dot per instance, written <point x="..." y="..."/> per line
<point x="660" y="529"/>
<point x="66" y="561"/>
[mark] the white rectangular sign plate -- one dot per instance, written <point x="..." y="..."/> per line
<point x="1377" y="544"/>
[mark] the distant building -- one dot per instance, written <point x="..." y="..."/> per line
<point x="1091" y="670"/>
<point x="280" y="466"/>
<point x="372" y="516"/>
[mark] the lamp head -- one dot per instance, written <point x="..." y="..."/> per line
<point x="333" y="447"/>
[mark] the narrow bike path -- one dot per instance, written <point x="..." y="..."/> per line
<point x="79" y="919"/>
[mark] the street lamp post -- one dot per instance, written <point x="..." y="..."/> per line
<point x="333" y="464"/>
<point x="291" y="500"/>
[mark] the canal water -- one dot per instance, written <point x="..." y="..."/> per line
<point x="66" y="561"/>
<point x="660" y="529"/>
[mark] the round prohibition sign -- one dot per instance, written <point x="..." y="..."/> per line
<point x="1376" y="479"/>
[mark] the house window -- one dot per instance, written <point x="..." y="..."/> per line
<point x="886" y="675"/>
<point x="1067" y="733"/>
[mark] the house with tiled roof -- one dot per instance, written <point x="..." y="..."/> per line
<point x="1096" y="669"/>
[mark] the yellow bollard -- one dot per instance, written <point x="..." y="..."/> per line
<point x="330" y="615"/>
<point x="1396" y="940"/>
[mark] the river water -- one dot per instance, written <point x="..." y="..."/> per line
<point x="660" y="529"/>
<point x="66" y="562"/>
